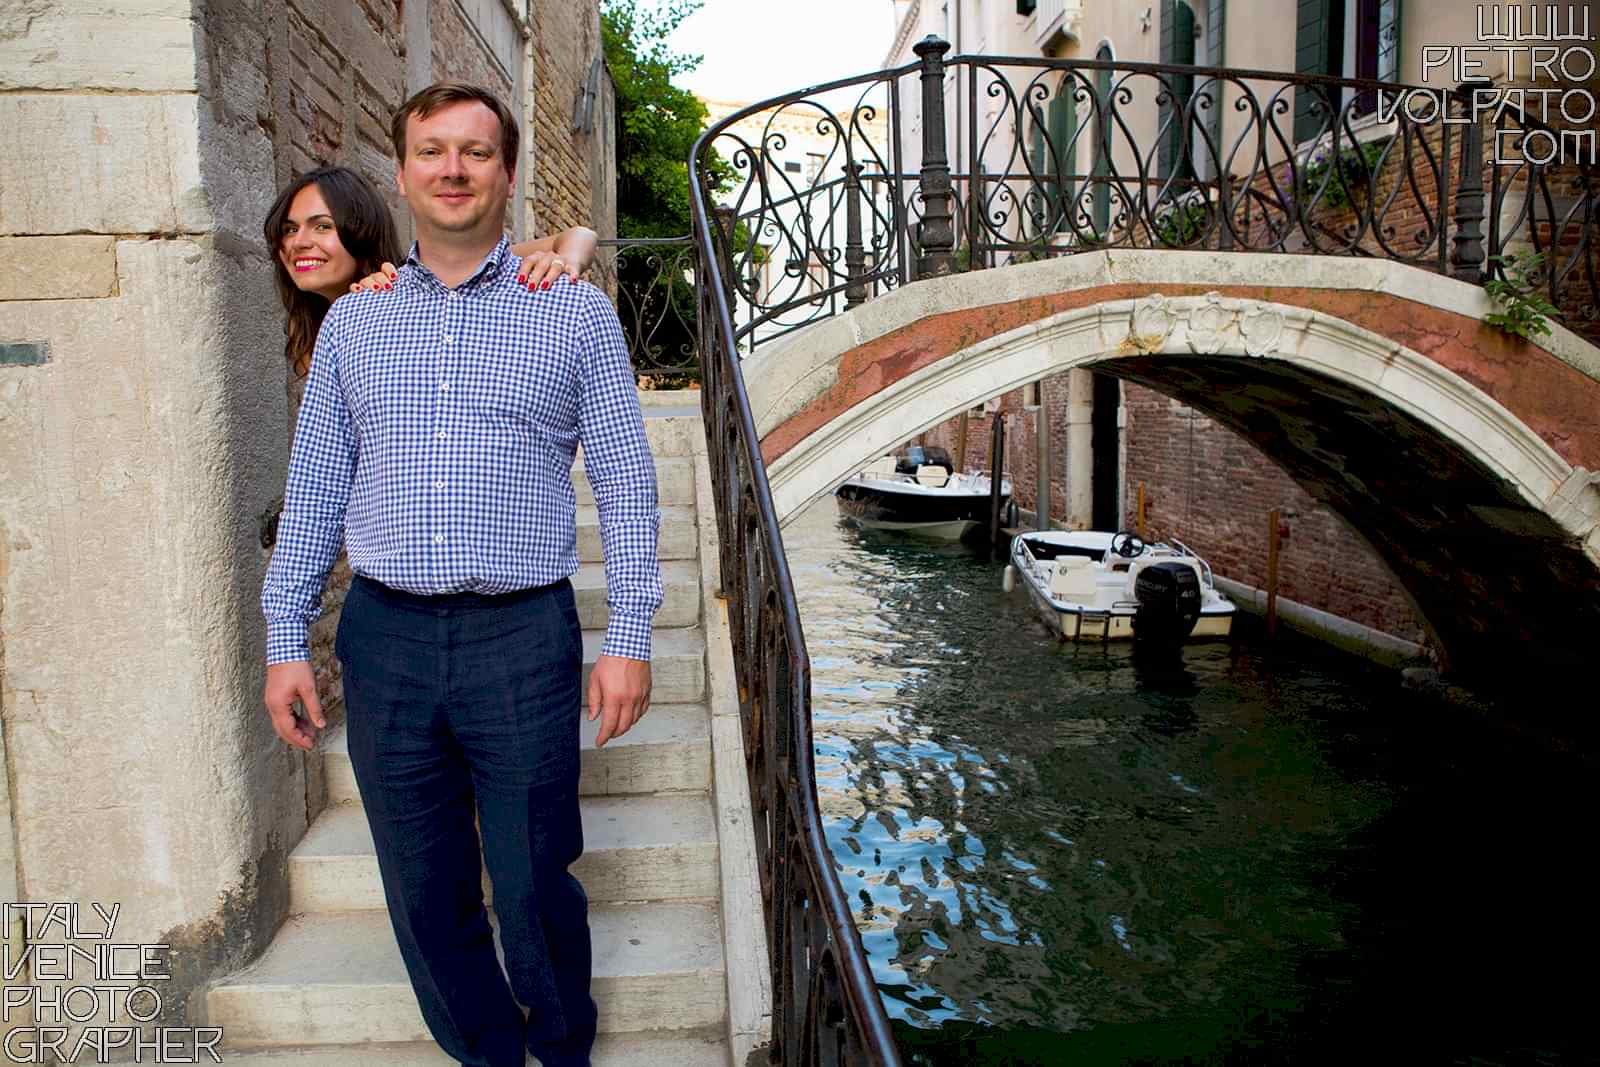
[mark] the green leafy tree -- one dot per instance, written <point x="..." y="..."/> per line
<point x="657" y="122"/>
<point x="657" y="126"/>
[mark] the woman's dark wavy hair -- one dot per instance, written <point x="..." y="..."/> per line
<point x="367" y="231"/>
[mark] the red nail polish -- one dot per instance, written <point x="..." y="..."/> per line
<point x="522" y="278"/>
<point x="544" y="285"/>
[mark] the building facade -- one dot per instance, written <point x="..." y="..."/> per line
<point x="146" y="408"/>
<point x="1115" y="454"/>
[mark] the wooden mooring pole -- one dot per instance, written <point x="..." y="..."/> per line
<point x="997" y="453"/>
<point x="1272" y="572"/>
<point x="1140" y="518"/>
<point x="961" y="444"/>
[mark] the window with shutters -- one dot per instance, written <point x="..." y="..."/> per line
<point x="1344" y="39"/>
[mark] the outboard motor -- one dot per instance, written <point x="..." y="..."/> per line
<point x="1169" y="602"/>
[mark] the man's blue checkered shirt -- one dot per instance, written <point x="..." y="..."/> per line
<point x="436" y="442"/>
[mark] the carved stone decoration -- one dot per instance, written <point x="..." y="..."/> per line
<point x="1208" y="324"/>
<point x="1261" y="329"/>
<point x="1153" y="320"/>
<point x="1214" y="323"/>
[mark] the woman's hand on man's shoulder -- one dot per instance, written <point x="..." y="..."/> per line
<point x="382" y="278"/>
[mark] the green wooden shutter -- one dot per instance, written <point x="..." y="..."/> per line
<point x="1039" y="155"/>
<point x="1167" y="149"/>
<point x="1063" y="124"/>
<point x="1102" y="145"/>
<point x="1216" y="23"/>
<point x="1389" y="40"/>
<point x="1316" y="42"/>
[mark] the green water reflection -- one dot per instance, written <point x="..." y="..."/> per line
<point x="1234" y="853"/>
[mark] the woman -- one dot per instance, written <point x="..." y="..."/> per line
<point x="333" y="234"/>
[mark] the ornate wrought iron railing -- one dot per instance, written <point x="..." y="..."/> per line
<point x="1055" y="157"/>
<point x="655" y="280"/>
<point x="1046" y="157"/>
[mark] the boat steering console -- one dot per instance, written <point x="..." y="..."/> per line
<point x="1127" y="544"/>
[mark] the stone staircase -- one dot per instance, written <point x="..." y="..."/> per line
<point x="331" y="988"/>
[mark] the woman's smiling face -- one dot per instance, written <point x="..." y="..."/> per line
<point x="310" y="249"/>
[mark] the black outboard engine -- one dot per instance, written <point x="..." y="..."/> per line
<point x="1169" y="602"/>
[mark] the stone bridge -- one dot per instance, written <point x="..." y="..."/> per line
<point x="1464" y="455"/>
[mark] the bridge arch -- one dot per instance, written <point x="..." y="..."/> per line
<point x="1464" y="458"/>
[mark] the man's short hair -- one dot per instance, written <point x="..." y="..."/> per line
<point x="427" y="101"/>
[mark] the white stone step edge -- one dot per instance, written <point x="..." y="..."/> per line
<point x="674" y="1048"/>
<point x="674" y="482"/>
<point x="675" y="537"/>
<point x="336" y="978"/>
<point x="680" y="607"/>
<point x="744" y="929"/>
<point x="648" y="847"/>
<point x="669" y="751"/>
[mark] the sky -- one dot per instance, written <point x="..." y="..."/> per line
<point x="754" y="49"/>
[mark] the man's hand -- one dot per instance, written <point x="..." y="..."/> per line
<point x="288" y="682"/>
<point x="619" y="695"/>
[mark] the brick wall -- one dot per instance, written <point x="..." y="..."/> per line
<point x="566" y="41"/>
<point x="1210" y="488"/>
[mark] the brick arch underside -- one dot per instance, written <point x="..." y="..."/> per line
<point x="1497" y="580"/>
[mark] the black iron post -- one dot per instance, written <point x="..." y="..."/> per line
<point x="727" y="218"/>
<point x="936" y="233"/>
<point x="997" y="448"/>
<point x="1466" y="261"/>
<point x="855" y="258"/>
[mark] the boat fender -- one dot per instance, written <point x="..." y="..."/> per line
<point x="1008" y="580"/>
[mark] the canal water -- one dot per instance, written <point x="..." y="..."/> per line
<point x="1242" y="852"/>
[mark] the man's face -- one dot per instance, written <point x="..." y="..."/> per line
<point x="452" y="172"/>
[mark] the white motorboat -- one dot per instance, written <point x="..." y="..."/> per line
<point x="1098" y="586"/>
<point x="920" y="493"/>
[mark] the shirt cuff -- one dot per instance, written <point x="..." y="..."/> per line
<point x="627" y="636"/>
<point x="286" y="641"/>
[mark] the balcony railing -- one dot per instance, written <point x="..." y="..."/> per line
<point x="1055" y="157"/>
<point x="1051" y="157"/>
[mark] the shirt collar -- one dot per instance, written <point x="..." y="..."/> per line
<point x="486" y="274"/>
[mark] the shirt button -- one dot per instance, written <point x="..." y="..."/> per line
<point x="438" y="539"/>
<point x="448" y="339"/>
<point x="438" y="485"/>
<point x="441" y="435"/>
<point x="444" y="387"/>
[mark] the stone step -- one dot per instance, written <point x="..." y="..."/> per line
<point x="336" y="978"/>
<point x="678" y="538"/>
<point x="674" y="483"/>
<point x="692" y="1048"/>
<point x="657" y="847"/>
<point x="680" y="586"/>
<point x="669" y="750"/>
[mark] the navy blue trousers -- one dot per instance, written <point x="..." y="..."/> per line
<point x="468" y="705"/>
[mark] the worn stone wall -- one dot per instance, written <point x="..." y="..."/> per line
<point x="562" y="193"/>
<point x="145" y="414"/>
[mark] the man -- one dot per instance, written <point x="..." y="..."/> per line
<point x="437" y="437"/>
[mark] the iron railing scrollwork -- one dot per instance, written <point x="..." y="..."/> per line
<point x="1052" y="157"/>
<point x="655" y="281"/>
<point x="1048" y="157"/>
